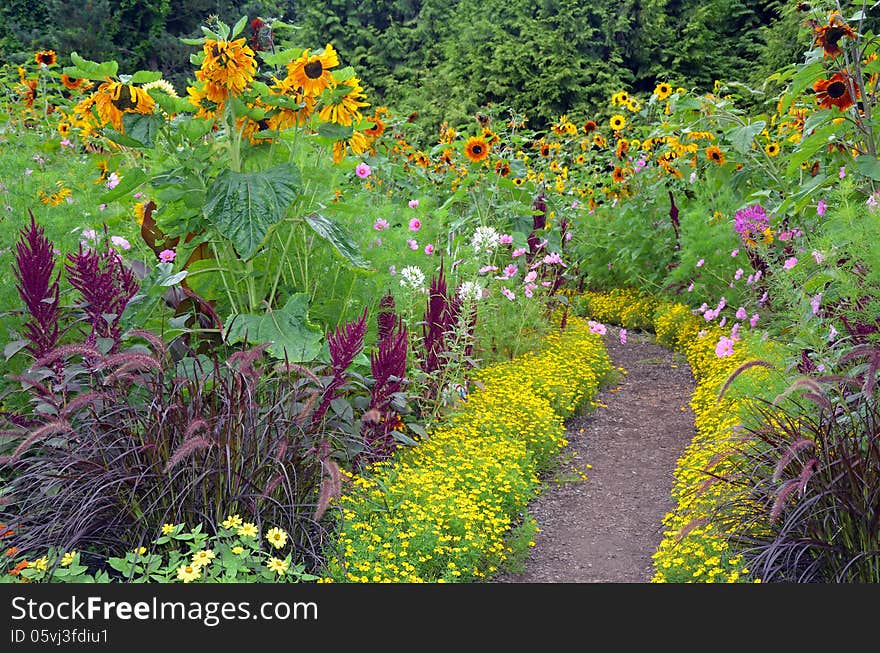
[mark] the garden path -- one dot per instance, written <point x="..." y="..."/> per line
<point x="606" y="528"/>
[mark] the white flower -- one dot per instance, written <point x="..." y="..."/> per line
<point x="412" y="277"/>
<point x="485" y="239"/>
<point x="470" y="291"/>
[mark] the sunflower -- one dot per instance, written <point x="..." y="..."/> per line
<point x="633" y="105"/>
<point x="230" y="64"/>
<point x="580" y="159"/>
<point x="199" y="97"/>
<point x="377" y="127"/>
<point x="622" y="148"/>
<point x="115" y="98"/>
<point x="217" y="93"/>
<point x="663" y="90"/>
<point x="518" y="181"/>
<point x="476" y="149"/>
<point x="70" y="82"/>
<point x="311" y="72"/>
<point x="835" y="91"/>
<point x="618" y="175"/>
<point x="63" y="129"/>
<point x="828" y="36"/>
<point x="772" y="149"/>
<point x="599" y="140"/>
<point x="544" y="150"/>
<point x="620" y="98"/>
<point x="343" y="103"/>
<point x="617" y="122"/>
<point x="715" y="155"/>
<point x="357" y="143"/>
<point x="590" y="126"/>
<point x="45" y="58"/>
<point x="491" y="137"/>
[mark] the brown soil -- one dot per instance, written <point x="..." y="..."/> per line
<point x="606" y="528"/>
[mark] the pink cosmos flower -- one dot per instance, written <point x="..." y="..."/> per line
<point x="546" y="284"/>
<point x="721" y="305"/>
<point x="530" y="277"/>
<point x="738" y="275"/>
<point x="415" y="224"/>
<point x="529" y="289"/>
<point x="102" y="207"/>
<point x="819" y="257"/>
<point x="380" y="224"/>
<point x="821" y="208"/>
<point x="700" y="263"/>
<point x="554" y="259"/>
<point x="505" y="239"/>
<point x="518" y="252"/>
<point x="66" y="143"/>
<point x="710" y="315"/>
<point x="816" y="302"/>
<point x="166" y="255"/>
<point x="597" y="327"/>
<point x="568" y="236"/>
<point x="753" y="322"/>
<point x="507" y="292"/>
<point x="724" y="347"/>
<point x="735" y="252"/>
<point x="741" y="313"/>
<point x="488" y="268"/>
<point x="842" y="172"/>
<point x="691" y="287"/>
<point x="412" y="244"/>
<point x="734" y="332"/>
<point x="723" y="321"/>
<point x="623" y="336"/>
<point x="362" y="170"/>
<point x="119" y="241"/>
<point x="832" y="333"/>
<point x="750" y="280"/>
<point x="413" y="204"/>
<point x="429" y="249"/>
<point x="89" y="233"/>
<point x="790" y="263"/>
<point x="510" y="270"/>
<point x="112" y="180"/>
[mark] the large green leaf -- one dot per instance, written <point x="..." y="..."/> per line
<point x="869" y="166"/>
<point x="288" y="329"/>
<point x="243" y="206"/>
<point x="742" y="137"/>
<point x="131" y="179"/>
<point x="85" y="69"/>
<point x="141" y="127"/>
<point x="336" y="236"/>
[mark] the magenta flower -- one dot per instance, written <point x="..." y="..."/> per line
<point x="753" y="322"/>
<point x="413" y="204"/>
<point x="505" y="239"/>
<point x="429" y="249"/>
<point x="518" y="252"/>
<point x="724" y="347"/>
<point x="790" y="263"/>
<point x="530" y="277"/>
<point x="751" y="222"/>
<point x="166" y="255"/>
<point x="816" y="302"/>
<point x="380" y="224"/>
<point x="413" y="245"/>
<point x="741" y="313"/>
<point x="119" y="241"/>
<point x="842" y="172"/>
<point x="821" y="208"/>
<point x="738" y="274"/>
<point x="597" y="327"/>
<point x="623" y="336"/>
<point x="700" y="263"/>
<point x="735" y="252"/>
<point x="510" y="270"/>
<point x="507" y="292"/>
<point x="415" y="224"/>
<point x="710" y="315"/>
<point x="362" y="170"/>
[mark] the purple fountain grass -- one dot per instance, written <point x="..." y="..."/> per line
<point x="106" y="286"/>
<point x="33" y="268"/>
<point x="345" y="343"/>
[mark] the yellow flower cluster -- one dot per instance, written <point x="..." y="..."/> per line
<point x="440" y="512"/>
<point x="695" y="545"/>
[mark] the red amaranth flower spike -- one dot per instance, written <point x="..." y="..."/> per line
<point x="345" y="343"/>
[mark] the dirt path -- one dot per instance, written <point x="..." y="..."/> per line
<point x="606" y="528"/>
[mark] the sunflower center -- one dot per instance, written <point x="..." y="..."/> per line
<point x="477" y="149"/>
<point x="836" y="90"/>
<point x="833" y="35"/>
<point x="314" y="69"/>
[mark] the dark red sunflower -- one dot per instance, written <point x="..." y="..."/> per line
<point x="828" y="36"/>
<point x="836" y="91"/>
<point x="46" y="57"/>
<point x="590" y="126"/>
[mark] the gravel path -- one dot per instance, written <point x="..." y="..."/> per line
<point x="606" y="528"/>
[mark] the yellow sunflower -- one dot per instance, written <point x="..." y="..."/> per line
<point x="70" y="82"/>
<point x="663" y="90"/>
<point x="229" y="64"/>
<point x="343" y="106"/>
<point x="617" y="122"/>
<point x="311" y="72"/>
<point x="715" y="155"/>
<point x="357" y="143"/>
<point x="46" y="57"/>
<point x="199" y="97"/>
<point x="476" y="149"/>
<point x="772" y="149"/>
<point x="599" y="140"/>
<point x="618" y="175"/>
<point x="112" y="99"/>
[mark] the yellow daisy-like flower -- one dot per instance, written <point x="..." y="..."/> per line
<point x="188" y="573"/>
<point x="40" y="564"/>
<point x="68" y="558"/>
<point x="663" y="90"/>
<point x="476" y="149"/>
<point x="311" y="72"/>
<point x="167" y="529"/>
<point x="357" y="143"/>
<point x="599" y="140"/>
<point x="229" y="64"/>
<point x="163" y="85"/>
<point x="238" y="550"/>
<point x="202" y="558"/>
<point x="343" y="106"/>
<point x="634" y="105"/>
<point x="772" y="149"/>
<point x="715" y="155"/>
<point x="280" y="567"/>
<point x="200" y="97"/>
<point x="232" y="521"/>
<point x="617" y="122"/>
<point x="277" y="537"/>
<point x="112" y="99"/>
<point x="142" y="550"/>
<point x="248" y="529"/>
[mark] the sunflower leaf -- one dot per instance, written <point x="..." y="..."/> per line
<point x="141" y="127"/>
<point x="238" y="27"/>
<point x="86" y="69"/>
<point x="289" y="330"/>
<point x="336" y="236"/>
<point x="335" y="132"/>
<point x="243" y="206"/>
<point x="868" y="166"/>
<point x="742" y="137"/>
<point x="805" y="77"/>
<point x="280" y="58"/>
<point x="130" y="180"/>
<point x="145" y="77"/>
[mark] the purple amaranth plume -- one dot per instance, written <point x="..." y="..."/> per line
<point x="106" y="286"/>
<point x="435" y="324"/>
<point x="673" y="217"/>
<point x="387" y="318"/>
<point x="539" y="222"/>
<point x="345" y="343"/>
<point x="388" y="367"/>
<point x="33" y="269"/>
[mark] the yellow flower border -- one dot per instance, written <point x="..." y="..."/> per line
<point x="695" y="548"/>
<point x="441" y="511"/>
